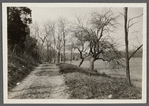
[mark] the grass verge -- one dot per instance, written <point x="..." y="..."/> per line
<point x="83" y="85"/>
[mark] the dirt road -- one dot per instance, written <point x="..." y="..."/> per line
<point x="45" y="82"/>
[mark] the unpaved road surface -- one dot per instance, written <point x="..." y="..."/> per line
<point x="45" y="82"/>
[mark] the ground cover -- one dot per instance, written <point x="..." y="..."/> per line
<point x="101" y="86"/>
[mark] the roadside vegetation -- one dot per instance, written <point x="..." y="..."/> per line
<point x="85" y="84"/>
<point x="23" y="52"/>
<point x="19" y="68"/>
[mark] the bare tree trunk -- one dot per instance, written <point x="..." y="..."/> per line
<point x="61" y="57"/>
<point x="81" y="62"/>
<point x="71" y="55"/>
<point x="54" y="54"/>
<point x="64" y="49"/>
<point x="127" y="54"/>
<point x="64" y="55"/>
<point x="58" y="57"/>
<point x="92" y="63"/>
<point x="54" y="59"/>
<point x="47" y="53"/>
<point x="50" y="57"/>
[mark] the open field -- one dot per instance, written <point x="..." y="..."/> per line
<point x="135" y="69"/>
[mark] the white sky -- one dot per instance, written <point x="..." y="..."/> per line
<point x="41" y="14"/>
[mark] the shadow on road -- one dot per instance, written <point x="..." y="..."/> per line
<point x="47" y="73"/>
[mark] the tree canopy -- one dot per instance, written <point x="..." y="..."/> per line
<point x="18" y="19"/>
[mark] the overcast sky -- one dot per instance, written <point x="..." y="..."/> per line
<point x="42" y="14"/>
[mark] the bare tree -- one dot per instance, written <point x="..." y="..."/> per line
<point x="127" y="25"/>
<point x="63" y="31"/>
<point x="47" y="39"/>
<point x="81" y="45"/>
<point x="59" y="46"/>
<point x="49" y="27"/>
<point x="70" y="47"/>
<point x="40" y="36"/>
<point x="35" y="32"/>
<point x="54" y="43"/>
<point x="57" y="39"/>
<point x="100" y="26"/>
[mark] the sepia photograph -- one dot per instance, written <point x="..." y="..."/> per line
<point x="74" y="52"/>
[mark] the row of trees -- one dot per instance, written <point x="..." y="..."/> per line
<point x="52" y="39"/>
<point x="90" y="40"/>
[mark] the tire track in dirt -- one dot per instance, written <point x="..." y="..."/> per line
<point x="45" y="82"/>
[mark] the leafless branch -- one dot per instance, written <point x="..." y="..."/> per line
<point x="122" y="14"/>
<point x="135" y="51"/>
<point x="132" y="19"/>
<point x="135" y="17"/>
<point x="132" y="24"/>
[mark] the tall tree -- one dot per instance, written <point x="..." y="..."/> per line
<point x="48" y="29"/>
<point x="57" y="39"/>
<point x="63" y="30"/>
<point x="127" y="25"/>
<point x="126" y="50"/>
<point x="41" y="37"/>
<point x="35" y="33"/>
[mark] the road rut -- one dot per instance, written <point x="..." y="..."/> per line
<point x="45" y="82"/>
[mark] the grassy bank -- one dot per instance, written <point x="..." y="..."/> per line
<point x="84" y="84"/>
<point x="19" y="68"/>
